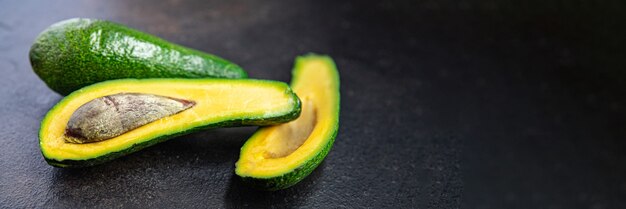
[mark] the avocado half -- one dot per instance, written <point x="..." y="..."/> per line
<point x="218" y="103"/>
<point x="279" y="156"/>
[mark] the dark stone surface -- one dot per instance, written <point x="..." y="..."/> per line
<point x="445" y="104"/>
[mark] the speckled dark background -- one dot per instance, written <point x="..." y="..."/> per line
<point x="445" y="104"/>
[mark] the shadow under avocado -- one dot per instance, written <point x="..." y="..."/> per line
<point x="240" y="195"/>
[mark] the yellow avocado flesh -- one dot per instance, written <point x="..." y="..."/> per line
<point x="276" y="150"/>
<point x="216" y="100"/>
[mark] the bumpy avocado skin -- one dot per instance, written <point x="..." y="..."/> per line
<point x="79" y="52"/>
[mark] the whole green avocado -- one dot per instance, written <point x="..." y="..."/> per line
<point x="79" y="52"/>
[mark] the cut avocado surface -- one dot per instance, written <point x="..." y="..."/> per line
<point x="78" y="52"/>
<point x="279" y="156"/>
<point x="217" y="103"/>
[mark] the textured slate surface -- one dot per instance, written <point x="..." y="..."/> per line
<point x="445" y="104"/>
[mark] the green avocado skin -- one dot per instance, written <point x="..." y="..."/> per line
<point x="79" y="52"/>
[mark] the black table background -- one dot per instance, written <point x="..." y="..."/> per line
<point x="445" y="104"/>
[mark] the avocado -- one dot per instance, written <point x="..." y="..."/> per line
<point x="189" y="105"/>
<point x="279" y="156"/>
<point x="78" y="52"/>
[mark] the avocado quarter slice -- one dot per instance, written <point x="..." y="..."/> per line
<point x="79" y="52"/>
<point x="216" y="103"/>
<point x="279" y="156"/>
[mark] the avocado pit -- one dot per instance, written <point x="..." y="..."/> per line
<point x="113" y="115"/>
